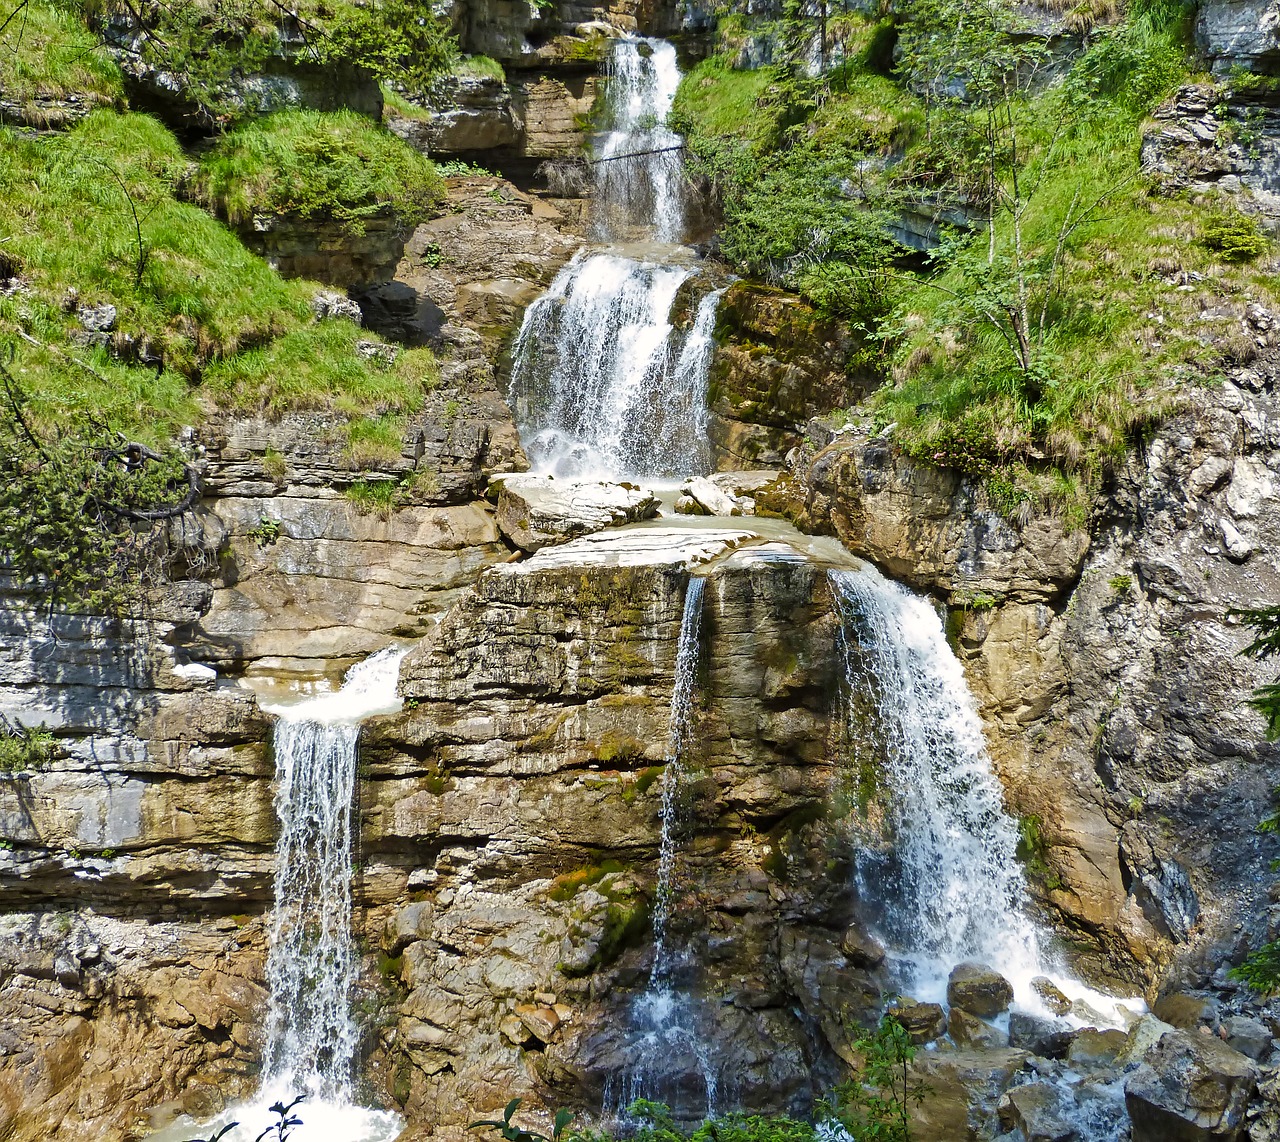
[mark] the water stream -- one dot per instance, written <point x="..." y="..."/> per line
<point x="311" y="1038"/>
<point x="609" y="373"/>
<point x="665" y="1017"/>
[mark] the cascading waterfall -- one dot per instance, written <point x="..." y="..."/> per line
<point x="609" y="381"/>
<point x="951" y="887"/>
<point x="311" y="1037"/>
<point x="665" y="1016"/>
<point x="639" y="172"/>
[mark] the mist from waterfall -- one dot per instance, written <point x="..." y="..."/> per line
<point x="610" y="367"/>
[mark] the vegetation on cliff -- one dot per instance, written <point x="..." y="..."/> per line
<point x="949" y="128"/>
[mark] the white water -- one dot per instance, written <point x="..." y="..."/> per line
<point x="665" y="1016"/>
<point x="639" y="169"/>
<point x="604" y="384"/>
<point x="311" y="958"/>
<point x="951" y="888"/>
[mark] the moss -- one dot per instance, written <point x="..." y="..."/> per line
<point x="647" y="778"/>
<point x="567" y="885"/>
<point x="784" y="840"/>
<point x="618" y="750"/>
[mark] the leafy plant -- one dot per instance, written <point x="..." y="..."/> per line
<point x="266" y="532"/>
<point x="230" y="1126"/>
<point x="875" y="1105"/>
<point x="1235" y="236"/>
<point x="286" y="1120"/>
<point x="24" y="747"/>
<point x="1266" y="624"/>
<point x="514" y="1133"/>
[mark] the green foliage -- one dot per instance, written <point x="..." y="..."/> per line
<point x="317" y="165"/>
<point x="83" y="511"/>
<point x="266" y="532"/>
<point x="654" y="1123"/>
<point x="1265" y="622"/>
<point x="1121" y="584"/>
<point x="1235" y="236"/>
<point x="374" y="497"/>
<point x="205" y="47"/>
<point x="875" y="1105"/>
<point x="510" y="1132"/>
<point x="46" y="51"/>
<point x="24" y="747"/>
<point x="1261" y="969"/>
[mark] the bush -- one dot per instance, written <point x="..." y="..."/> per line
<point x="1234" y="235"/>
<point x="327" y="166"/>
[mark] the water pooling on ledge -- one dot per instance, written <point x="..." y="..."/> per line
<point x="310" y="1038"/>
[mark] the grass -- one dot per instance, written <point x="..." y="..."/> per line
<point x="47" y="52"/>
<point x="205" y="323"/>
<point x="796" y="159"/>
<point x="324" y="165"/>
<point x="394" y="103"/>
<point x="480" y="67"/>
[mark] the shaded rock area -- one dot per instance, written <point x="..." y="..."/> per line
<point x="328" y="251"/>
<point x="519" y="794"/>
<point x="1239" y="34"/>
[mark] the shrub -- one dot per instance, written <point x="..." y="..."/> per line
<point x="1234" y="235"/>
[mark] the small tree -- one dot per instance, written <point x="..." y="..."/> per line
<point x="1266" y="698"/>
<point x="875" y="1105"/>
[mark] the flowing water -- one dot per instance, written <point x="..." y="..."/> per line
<point x="665" y="1018"/>
<point x="311" y="1037"/>
<point x="609" y="374"/>
<point x="950" y="888"/>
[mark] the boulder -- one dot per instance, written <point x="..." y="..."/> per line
<point x="962" y="1090"/>
<point x="924" y="1022"/>
<point x="969" y="1031"/>
<point x="1187" y="1011"/>
<point x="1143" y="1035"/>
<point x="979" y="989"/>
<point x="1048" y="1038"/>
<point x="1036" y="1110"/>
<point x="537" y="511"/>
<point x="1092" y="1048"/>
<point x="701" y="497"/>
<point x="1250" y="1037"/>
<point x="1052" y="996"/>
<point x="861" y="948"/>
<point x="1189" y="1088"/>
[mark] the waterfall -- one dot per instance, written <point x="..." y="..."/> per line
<point x="311" y="1037"/>
<point x="607" y="382"/>
<point x="952" y="888"/>
<point x="639" y="170"/>
<point x="665" y="1016"/>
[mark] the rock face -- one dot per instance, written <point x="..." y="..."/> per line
<point x="1239" y="33"/>
<point x="1107" y="667"/>
<point x="1190" y="1088"/>
<point x="777" y="364"/>
<point x="519" y="794"/>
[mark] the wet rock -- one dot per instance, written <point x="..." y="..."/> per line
<point x="537" y="511"/>
<point x="1250" y="1037"/>
<point x="1049" y="992"/>
<point x="979" y="989"/>
<point x="702" y="497"/>
<point x="1185" y="1011"/>
<point x="1048" y="1038"/>
<point x="862" y="948"/>
<point x="1190" y="1088"/>
<point x="962" y="1092"/>
<point x="924" y="1022"/>
<point x="969" y="1031"/>
<point x="1092" y="1049"/>
<point x="1036" y="1110"/>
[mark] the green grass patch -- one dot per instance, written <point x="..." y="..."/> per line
<point x="393" y="103"/>
<point x="480" y="67"/>
<point x="46" y="51"/>
<point x="334" y="165"/>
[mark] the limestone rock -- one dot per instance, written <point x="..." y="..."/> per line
<point x="1238" y="33"/>
<point x="1051" y="994"/>
<point x="862" y="948"/>
<point x="1036" y="1110"/>
<point x="1142" y="1036"/>
<point x="1250" y="1037"/>
<point x="1048" y="1038"/>
<point x="327" y="305"/>
<point x="962" y="1092"/>
<point x="979" y="989"/>
<point x="1092" y="1048"/>
<point x="1189" y="1088"/>
<point x="535" y="511"/>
